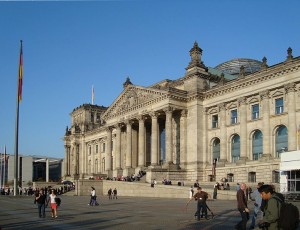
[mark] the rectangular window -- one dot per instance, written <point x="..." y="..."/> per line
<point x="103" y="147"/>
<point x="255" y="112"/>
<point x="256" y="156"/>
<point x="92" y="117"/>
<point x="233" y="116"/>
<point x="96" y="148"/>
<point x="252" y="177"/>
<point x="275" y="177"/>
<point x="279" y="105"/>
<point x="214" y="121"/>
<point x="90" y="150"/>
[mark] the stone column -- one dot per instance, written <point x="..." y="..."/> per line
<point x="154" y="140"/>
<point x="243" y="128"/>
<point x="183" y="153"/>
<point x="223" y="133"/>
<point x="67" y="160"/>
<point x="266" y="123"/>
<point x="169" y="140"/>
<point x="118" y="146"/>
<point x="108" y="149"/>
<point x="292" y="127"/>
<point x="129" y="144"/>
<point x="141" y="153"/>
<point x="47" y="170"/>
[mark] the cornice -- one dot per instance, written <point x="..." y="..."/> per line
<point x="255" y="78"/>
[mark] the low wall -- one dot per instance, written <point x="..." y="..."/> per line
<point x="137" y="189"/>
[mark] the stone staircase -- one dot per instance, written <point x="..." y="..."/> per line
<point x="141" y="189"/>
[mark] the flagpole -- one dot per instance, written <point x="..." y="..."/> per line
<point x="4" y="174"/>
<point x="19" y="97"/>
<point x="1" y="171"/>
<point x="93" y="94"/>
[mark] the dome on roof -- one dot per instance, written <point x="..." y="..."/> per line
<point x="233" y="66"/>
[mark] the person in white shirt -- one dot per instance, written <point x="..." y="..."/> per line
<point x="191" y="192"/>
<point x="53" y="204"/>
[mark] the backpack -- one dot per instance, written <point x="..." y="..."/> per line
<point x="57" y="201"/>
<point x="288" y="215"/>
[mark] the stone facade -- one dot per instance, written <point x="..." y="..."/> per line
<point x="206" y="125"/>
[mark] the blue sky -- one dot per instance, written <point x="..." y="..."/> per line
<point x="70" y="46"/>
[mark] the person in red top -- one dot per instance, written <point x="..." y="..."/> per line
<point x="242" y="207"/>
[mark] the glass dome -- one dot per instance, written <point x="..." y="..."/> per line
<point x="233" y="66"/>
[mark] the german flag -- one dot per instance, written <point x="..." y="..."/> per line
<point x="20" y="82"/>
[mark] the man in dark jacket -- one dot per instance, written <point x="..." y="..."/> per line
<point x="41" y="200"/>
<point x="201" y="197"/>
<point x="242" y="207"/>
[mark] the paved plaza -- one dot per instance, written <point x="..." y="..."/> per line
<point x="124" y="213"/>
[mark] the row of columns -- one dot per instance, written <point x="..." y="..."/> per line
<point x="141" y="141"/>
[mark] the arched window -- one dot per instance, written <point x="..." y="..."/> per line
<point x="96" y="166"/>
<point x="281" y="140"/>
<point x="257" y="145"/>
<point x="235" y="148"/>
<point x="103" y="165"/>
<point x="216" y="149"/>
<point x="89" y="166"/>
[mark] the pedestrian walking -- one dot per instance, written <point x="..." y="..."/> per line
<point x="201" y="198"/>
<point x="256" y="197"/>
<point x="242" y="207"/>
<point x="53" y="204"/>
<point x="115" y="192"/>
<point x="191" y="192"/>
<point x="40" y="200"/>
<point x="93" y="200"/>
<point x="109" y="193"/>
<point x="216" y="187"/>
<point x="271" y="209"/>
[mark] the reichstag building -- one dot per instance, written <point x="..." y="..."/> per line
<point x="232" y="121"/>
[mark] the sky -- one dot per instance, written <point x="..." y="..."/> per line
<point x="70" y="46"/>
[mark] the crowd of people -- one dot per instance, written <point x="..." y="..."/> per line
<point x="268" y="213"/>
<point x="29" y="191"/>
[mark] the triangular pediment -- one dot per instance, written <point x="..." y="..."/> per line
<point x="232" y="105"/>
<point x="132" y="98"/>
<point x="254" y="99"/>
<point x="277" y="93"/>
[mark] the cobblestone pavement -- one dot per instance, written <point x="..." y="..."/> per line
<point x="124" y="213"/>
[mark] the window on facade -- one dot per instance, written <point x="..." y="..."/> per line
<point x="235" y="148"/>
<point x="255" y="112"/>
<point x="96" y="148"/>
<point x="103" y="165"/>
<point x="98" y="118"/>
<point x="92" y="117"/>
<point x="233" y="116"/>
<point x="279" y="105"/>
<point x="90" y="166"/>
<point x="257" y="145"/>
<point x="281" y="140"/>
<point x="96" y="166"/>
<point x="230" y="177"/>
<point x="214" y="123"/>
<point x="275" y="176"/>
<point x="216" y="149"/>
<point x="103" y="147"/>
<point x="90" y="150"/>
<point x="292" y="178"/>
<point x="252" y="177"/>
